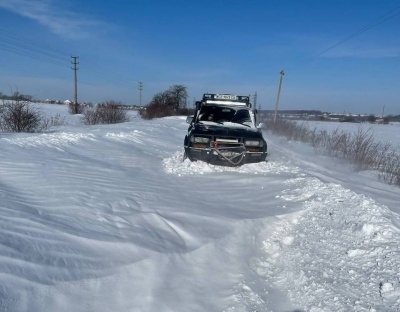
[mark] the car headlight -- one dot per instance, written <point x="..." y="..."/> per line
<point x="197" y="139"/>
<point x="253" y="143"/>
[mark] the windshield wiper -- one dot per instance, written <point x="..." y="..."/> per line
<point x="218" y="122"/>
<point x="240" y="123"/>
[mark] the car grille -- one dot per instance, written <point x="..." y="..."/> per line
<point x="200" y="145"/>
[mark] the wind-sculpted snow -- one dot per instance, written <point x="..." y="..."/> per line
<point x="133" y="136"/>
<point x="55" y="140"/>
<point x="110" y="218"/>
<point x="340" y="254"/>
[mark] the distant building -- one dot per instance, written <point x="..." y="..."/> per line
<point x="49" y="101"/>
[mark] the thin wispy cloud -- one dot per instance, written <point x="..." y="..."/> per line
<point x="58" y="20"/>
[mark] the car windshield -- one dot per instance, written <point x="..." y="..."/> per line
<point x="224" y="114"/>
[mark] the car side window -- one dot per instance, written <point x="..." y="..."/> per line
<point x="241" y="116"/>
<point x="205" y="114"/>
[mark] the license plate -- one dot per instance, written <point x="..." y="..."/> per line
<point x="226" y="153"/>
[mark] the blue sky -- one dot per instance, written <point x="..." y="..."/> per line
<point x="209" y="46"/>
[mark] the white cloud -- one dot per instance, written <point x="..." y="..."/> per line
<point x="59" y="21"/>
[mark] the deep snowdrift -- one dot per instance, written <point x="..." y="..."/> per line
<point x="108" y="217"/>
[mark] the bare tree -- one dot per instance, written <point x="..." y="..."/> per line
<point x="154" y="110"/>
<point x="163" y="99"/>
<point x="19" y="116"/>
<point x="113" y="112"/>
<point x="109" y="112"/>
<point x="91" y="116"/>
<point x="53" y="121"/>
<point x="75" y="108"/>
<point x="179" y="95"/>
<point x="175" y="98"/>
<point x="167" y="103"/>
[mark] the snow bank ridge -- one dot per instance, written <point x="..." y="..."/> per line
<point x="336" y="260"/>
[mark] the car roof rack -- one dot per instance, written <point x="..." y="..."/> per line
<point x="226" y="99"/>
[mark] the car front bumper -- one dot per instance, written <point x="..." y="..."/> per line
<point x="224" y="157"/>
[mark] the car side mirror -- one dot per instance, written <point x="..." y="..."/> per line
<point x="189" y="119"/>
<point x="262" y="125"/>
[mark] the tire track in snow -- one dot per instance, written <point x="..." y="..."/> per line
<point x="176" y="165"/>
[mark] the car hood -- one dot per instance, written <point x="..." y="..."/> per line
<point x="227" y="129"/>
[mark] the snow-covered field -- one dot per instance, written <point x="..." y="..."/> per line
<point x="109" y="218"/>
<point x="389" y="133"/>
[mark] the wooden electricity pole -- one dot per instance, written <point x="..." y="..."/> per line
<point x="140" y="87"/>
<point x="75" y="68"/>
<point x="255" y="99"/>
<point x="279" y="94"/>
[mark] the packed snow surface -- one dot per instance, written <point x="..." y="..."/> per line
<point x="110" y="218"/>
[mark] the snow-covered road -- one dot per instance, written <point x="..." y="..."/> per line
<point x="108" y="217"/>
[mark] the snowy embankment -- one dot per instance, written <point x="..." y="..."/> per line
<point x="101" y="218"/>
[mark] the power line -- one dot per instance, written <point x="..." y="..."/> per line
<point x="19" y="43"/>
<point x="28" y="48"/>
<point x="106" y="75"/>
<point x="37" y="57"/>
<point x="389" y="15"/>
<point x="7" y="33"/>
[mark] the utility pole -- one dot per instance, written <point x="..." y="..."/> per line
<point x="140" y="87"/>
<point x="75" y="68"/>
<point x="255" y="99"/>
<point x="279" y="94"/>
